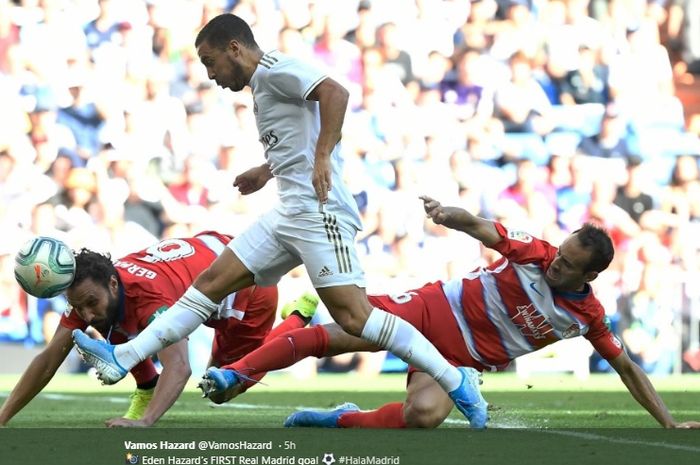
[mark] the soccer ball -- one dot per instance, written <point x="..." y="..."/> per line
<point x="44" y="267"/>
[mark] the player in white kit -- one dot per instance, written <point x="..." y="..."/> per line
<point x="299" y="112"/>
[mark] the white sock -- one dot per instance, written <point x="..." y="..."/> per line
<point x="403" y="340"/>
<point x="190" y="311"/>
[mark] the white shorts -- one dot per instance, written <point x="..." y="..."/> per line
<point x="323" y="242"/>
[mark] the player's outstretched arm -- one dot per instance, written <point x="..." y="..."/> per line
<point x="38" y="374"/>
<point x="643" y="391"/>
<point x="461" y="220"/>
<point x="176" y="372"/>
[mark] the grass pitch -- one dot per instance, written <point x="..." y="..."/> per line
<point x="551" y="401"/>
<point x="545" y="419"/>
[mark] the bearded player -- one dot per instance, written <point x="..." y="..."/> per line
<point x="120" y="299"/>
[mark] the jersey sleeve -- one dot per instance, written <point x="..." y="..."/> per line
<point x="604" y="340"/>
<point x="294" y="79"/>
<point x="521" y="247"/>
<point x="71" y="320"/>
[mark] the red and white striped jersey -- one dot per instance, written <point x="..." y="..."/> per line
<point x="507" y="309"/>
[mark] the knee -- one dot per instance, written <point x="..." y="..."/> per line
<point x="422" y="413"/>
<point x="349" y="309"/>
<point x="352" y="323"/>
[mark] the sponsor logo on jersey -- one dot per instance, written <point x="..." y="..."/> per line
<point x="269" y="139"/>
<point x="572" y="331"/>
<point x="520" y="236"/>
<point x="531" y="323"/>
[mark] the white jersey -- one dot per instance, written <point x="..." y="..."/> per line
<point x="289" y="126"/>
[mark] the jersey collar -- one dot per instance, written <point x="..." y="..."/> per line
<point x="573" y="295"/>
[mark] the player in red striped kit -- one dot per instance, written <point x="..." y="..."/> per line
<point x="120" y="299"/>
<point x="536" y="294"/>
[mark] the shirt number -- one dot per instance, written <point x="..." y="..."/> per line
<point x="168" y="250"/>
<point x="402" y="298"/>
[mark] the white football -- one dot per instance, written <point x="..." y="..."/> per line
<point x="44" y="267"/>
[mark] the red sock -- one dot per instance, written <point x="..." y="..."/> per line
<point x="144" y="372"/>
<point x="282" y="352"/>
<point x="292" y="322"/>
<point x="386" y="416"/>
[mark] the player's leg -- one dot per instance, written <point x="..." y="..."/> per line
<point x="349" y="306"/>
<point x="281" y="352"/>
<point x="232" y="270"/>
<point x="326" y="244"/>
<point x="426" y="406"/>
<point x="146" y="378"/>
<point x="235" y="337"/>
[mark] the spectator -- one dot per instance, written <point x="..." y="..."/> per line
<point x="9" y="35"/>
<point x="521" y="103"/>
<point x="103" y="28"/>
<point x="684" y="31"/>
<point x="530" y="193"/>
<point x="365" y="34"/>
<point x="468" y="89"/>
<point x="631" y="196"/>
<point x="82" y="117"/>
<point x="611" y="140"/>
<point x="650" y="334"/>
<point x="682" y="195"/>
<point x="395" y="58"/>
<point x="588" y="83"/>
<point x="573" y="199"/>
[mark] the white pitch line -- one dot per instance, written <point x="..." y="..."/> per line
<point x="114" y="400"/>
<point x="600" y="437"/>
<point x="591" y="436"/>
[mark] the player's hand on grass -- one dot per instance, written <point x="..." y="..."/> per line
<point x="321" y="178"/>
<point x="252" y="180"/>
<point x="687" y="425"/>
<point x="120" y="422"/>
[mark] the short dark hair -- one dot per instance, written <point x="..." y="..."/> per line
<point x="89" y="264"/>
<point x="223" y="29"/>
<point x="598" y="241"/>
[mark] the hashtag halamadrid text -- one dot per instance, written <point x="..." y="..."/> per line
<point x="369" y="460"/>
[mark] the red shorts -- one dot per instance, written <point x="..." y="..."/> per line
<point x="234" y="338"/>
<point x="429" y="311"/>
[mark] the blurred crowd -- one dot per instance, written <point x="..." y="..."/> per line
<point x="541" y="114"/>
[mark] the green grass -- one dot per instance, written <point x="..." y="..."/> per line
<point x="546" y="419"/>
<point x="553" y="401"/>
